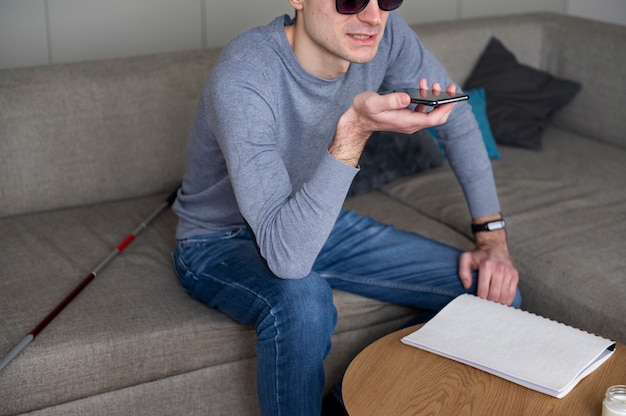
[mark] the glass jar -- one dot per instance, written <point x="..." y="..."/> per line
<point x="614" y="403"/>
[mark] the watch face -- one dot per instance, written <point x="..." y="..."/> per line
<point x="496" y="225"/>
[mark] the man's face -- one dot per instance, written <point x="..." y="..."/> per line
<point x="327" y="41"/>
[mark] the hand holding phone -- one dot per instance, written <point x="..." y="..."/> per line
<point x="432" y="98"/>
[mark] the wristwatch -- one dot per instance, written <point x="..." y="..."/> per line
<point x="489" y="226"/>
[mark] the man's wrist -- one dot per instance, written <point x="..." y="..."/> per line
<point x="495" y="237"/>
<point x="349" y="140"/>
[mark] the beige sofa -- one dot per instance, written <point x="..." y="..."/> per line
<point x="88" y="150"/>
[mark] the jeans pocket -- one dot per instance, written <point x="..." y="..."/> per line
<point x="188" y="281"/>
<point x="185" y="276"/>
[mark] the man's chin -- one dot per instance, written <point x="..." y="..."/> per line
<point x="362" y="57"/>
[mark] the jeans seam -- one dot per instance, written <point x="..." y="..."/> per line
<point x="267" y="304"/>
<point x="411" y="287"/>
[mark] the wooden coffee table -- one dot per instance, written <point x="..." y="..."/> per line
<point x="389" y="378"/>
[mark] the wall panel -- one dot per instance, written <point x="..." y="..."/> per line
<point x="226" y="19"/>
<point x="35" y="32"/>
<point x="475" y="8"/>
<point x="81" y="29"/>
<point x="608" y="10"/>
<point x="23" y="37"/>
<point x="421" y="11"/>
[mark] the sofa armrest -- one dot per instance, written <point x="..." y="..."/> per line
<point x="590" y="52"/>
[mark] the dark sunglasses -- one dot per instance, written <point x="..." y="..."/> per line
<point x="357" y="6"/>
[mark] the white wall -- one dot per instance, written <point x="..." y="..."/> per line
<point x="37" y="32"/>
<point x="23" y="33"/>
<point x="474" y="8"/>
<point x="613" y="11"/>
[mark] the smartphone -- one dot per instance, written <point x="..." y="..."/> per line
<point x="434" y="98"/>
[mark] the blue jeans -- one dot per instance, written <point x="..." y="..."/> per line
<point x="294" y="319"/>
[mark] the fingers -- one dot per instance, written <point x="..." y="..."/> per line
<point x="511" y="290"/>
<point x="423" y="83"/>
<point x="440" y="114"/>
<point x="497" y="280"/>
<point x="372" y="103"/>
<point x="435" y="88"/>
<point x="465" y="270"/>
<point x="389" y="111"/>
<point x="421" y="108"/>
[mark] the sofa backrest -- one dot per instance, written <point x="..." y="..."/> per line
<point x="458" y="44"/>
<point x="594" y="54"/>
<point x="89" y="132"/>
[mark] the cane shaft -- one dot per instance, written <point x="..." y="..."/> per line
<point x="15" y="351"/>
<point x="84" y="283"/>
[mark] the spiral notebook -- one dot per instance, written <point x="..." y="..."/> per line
<point x="527" y="349"/>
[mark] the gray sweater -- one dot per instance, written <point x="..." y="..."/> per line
<point x="258" y="149"/>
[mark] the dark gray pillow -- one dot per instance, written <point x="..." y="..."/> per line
<point x="388" y="156"/>
<point x="521" y="100"/>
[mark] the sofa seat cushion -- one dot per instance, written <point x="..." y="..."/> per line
<point x="133" y="324"/>
<point x="571" y="199"/>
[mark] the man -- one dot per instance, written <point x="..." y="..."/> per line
<point x="275" y="145"/>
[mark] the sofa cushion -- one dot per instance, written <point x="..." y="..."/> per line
<point x="89" y="132"/>
<point x="521" y="100"/>
<point x="478" y="102"/>
<point x="133" y="324"/>
<point x="388" y="156"/>
<point x="565" y="212"/>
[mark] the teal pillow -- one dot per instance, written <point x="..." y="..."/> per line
<point x="478" y="103"/>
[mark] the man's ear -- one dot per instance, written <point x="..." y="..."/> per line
<point x="296" y="4"/>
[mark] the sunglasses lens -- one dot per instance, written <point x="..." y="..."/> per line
<point x="351" y="6"/>
<point x="357" y="6"/>
<point x="389" y="5"/>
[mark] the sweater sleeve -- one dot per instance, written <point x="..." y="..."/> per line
<point x="460" y="135"/>
<point x="290" y="223"/>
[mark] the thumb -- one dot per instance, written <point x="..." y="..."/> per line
<point x="394" y="101"/>
<point x="466" y="265"/>
<point x="369" y="102"/>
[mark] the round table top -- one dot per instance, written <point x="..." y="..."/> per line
<point x="391" y="378"/>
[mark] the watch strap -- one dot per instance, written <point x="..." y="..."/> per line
<point x="489" y="226"/>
